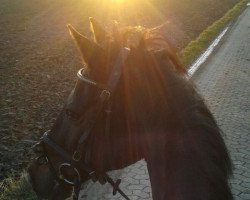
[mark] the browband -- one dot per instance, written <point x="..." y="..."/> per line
<point x="114" y="76"/>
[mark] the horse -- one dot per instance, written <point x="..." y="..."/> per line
<point x="132" y="101"/>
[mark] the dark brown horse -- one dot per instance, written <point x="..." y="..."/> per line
<point x="133" y="101"/>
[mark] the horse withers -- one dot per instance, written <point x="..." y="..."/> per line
<point x="132" y="100"/>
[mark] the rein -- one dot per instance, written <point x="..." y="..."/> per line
<point x="73" y="161"/>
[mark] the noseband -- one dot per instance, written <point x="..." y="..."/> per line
<point x="75" y="162"/>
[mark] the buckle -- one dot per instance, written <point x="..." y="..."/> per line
<point x="66" y="179"/>
<point x="105" y="94"/>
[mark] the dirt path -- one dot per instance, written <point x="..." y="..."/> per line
<point x="28" y="98"/>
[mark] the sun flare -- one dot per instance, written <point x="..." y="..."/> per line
<point x="116" y="1"/>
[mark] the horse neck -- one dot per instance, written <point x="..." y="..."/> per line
<point x="155" y="96"/>
<point x="144" y="105"/>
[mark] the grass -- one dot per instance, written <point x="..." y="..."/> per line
<point x="195" y="47"/>
<point x="12" y="189"/>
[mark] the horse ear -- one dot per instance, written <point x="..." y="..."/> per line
<point x="116" y="33"/>
<point x="98" y="31"/>
<point x="87" y="47"/>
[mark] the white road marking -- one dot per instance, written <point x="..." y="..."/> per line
<point x="203" y="57"/>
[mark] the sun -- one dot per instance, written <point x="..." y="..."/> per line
<point x="117" y="1"/>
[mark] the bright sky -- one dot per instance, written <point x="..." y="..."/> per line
<point x="117" y="1"/>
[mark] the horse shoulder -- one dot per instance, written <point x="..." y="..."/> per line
<point x="184" y="167"/>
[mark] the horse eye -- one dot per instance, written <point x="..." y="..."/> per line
<point x="72" y="115"/>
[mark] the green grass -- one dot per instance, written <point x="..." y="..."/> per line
<point x="12" y="189"/>
<point x="195" y="47"/>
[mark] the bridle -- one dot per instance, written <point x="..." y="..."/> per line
<point x="75" y="161"/>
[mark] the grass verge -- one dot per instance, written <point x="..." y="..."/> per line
<point x="11" y="189"/>
<point x="195" y="47"/>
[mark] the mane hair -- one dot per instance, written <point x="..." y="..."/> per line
<point x="146" y="39"/>
<point x="173" y="119"/>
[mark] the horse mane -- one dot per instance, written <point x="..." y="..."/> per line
<point x="146" y="39"/>
<point x="175" y="108"/>
<point x="165" y="118"/>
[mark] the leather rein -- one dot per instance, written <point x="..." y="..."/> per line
<point x="75" y="161"/>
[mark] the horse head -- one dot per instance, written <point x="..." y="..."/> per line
<point x="131" y="101"/>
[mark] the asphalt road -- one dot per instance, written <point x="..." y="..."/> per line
<point x="224" y="81"/>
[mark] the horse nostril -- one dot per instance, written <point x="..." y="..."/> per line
<point x="38" y="148"/>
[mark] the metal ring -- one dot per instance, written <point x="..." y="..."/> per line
<point x="76" y="156"/>
<point x="65" y="165"/>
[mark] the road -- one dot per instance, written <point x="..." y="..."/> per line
<point x="224" y="81"/>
